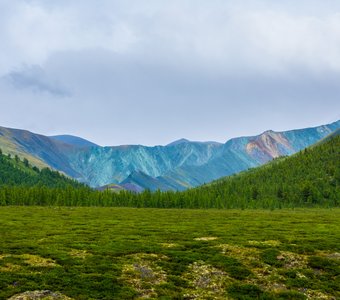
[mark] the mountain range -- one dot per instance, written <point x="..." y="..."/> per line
<point x="176" y="166"/>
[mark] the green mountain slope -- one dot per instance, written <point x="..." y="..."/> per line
<point x="311" y="176"/>
<point x="41" y="151"/>
<point x="9" y="145"/>
<point x="14" y="172"/>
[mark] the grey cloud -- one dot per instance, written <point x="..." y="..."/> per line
<point x="250" y="35"/>
<point x="137" y="101"/>
<point x="115" y="74"/>
<point x="35" y="79"/>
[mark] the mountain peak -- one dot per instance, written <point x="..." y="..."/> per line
<point x="269" y="131"/>
<point x="178" y="142"/>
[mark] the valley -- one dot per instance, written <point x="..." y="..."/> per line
<point x="171" y="150"/>
<point x="270" y="232"/>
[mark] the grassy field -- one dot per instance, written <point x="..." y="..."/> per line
<point x="117" y="253"/>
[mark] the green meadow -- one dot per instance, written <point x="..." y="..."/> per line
<point x="126" y="253"/>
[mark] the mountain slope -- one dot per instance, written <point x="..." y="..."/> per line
<point x="187" y="164"/>
<point x="45" y="151"/>
<point x="103" y="165"/>
<point x="73" y="140"/>
<point x="142" y="181"/>
<point x="329" y="137"/>
<point x="14" y="172"/>
<point x="9" y="145"/>
<point x="177" y="166"/>
<point x="311" y="176"/>
<point x="239" y="154"/>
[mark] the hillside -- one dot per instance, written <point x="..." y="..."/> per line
<point x="308" y="177"/>
<point x="14" y="172"/>
<point x="41" y="151"/>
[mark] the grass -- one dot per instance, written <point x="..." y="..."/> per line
<point x="123" y="253"/>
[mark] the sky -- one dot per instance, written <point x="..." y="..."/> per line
<point x="153" y="71"/>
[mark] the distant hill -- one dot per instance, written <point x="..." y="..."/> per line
<point x="177" y="166"/>
<point x="73" y="140"/>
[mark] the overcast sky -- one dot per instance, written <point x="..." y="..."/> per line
<point x="153" y="71"/>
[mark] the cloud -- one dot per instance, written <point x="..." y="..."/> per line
<point x="35" y="79"/>
<point x="31" y="31"/>
<point x="255" y="36"/>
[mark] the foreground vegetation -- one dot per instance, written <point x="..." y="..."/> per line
<point x="125" y="253"/>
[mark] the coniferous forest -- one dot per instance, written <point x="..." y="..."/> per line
<point x="14" y="173"/>
<point x="310" y="178"/>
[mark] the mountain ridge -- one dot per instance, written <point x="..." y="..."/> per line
<point x="73" y="140"/>
<point x="176" y="166"/>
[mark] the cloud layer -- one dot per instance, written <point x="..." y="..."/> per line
<point x="151" y="71"/>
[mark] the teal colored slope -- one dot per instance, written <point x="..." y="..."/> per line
<point x="73" y="140"/>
